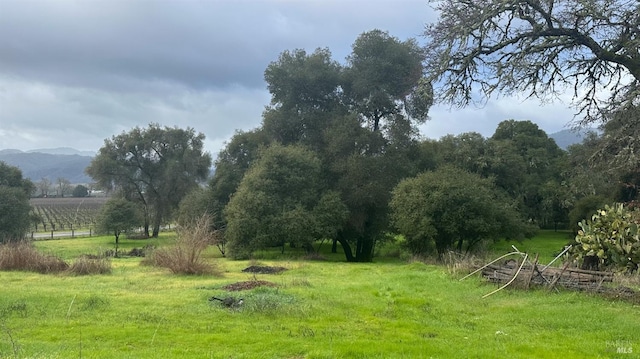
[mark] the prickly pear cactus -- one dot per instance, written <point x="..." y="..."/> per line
<point x="612" y="236"/>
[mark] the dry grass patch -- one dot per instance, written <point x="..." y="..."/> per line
<point x="86" y="265"/>
<point x="23" y="256"/>
<point x="185" y="256"/>
<point x="461" y="264"/>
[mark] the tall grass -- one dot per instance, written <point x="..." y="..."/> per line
<point x="23" y="256"/>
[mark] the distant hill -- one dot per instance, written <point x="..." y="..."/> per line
<point x="38" y="165"/>
<point x="63" y="151"/>
<point x="566" y="138"/>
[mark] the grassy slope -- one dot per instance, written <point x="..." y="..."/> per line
<point x="319" y="310"/>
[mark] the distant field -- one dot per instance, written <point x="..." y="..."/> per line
<point x="548" y="244"/>
<point x="65" y="214"/>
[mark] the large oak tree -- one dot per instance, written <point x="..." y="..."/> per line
<point x="155" y="166"/>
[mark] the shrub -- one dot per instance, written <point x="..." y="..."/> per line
<point x="25" y="257"/>
<point x="610" y="237"/>
<point x="583" y="209"/>
<point x="86" y="265"/>
<point x="185" y="257"/>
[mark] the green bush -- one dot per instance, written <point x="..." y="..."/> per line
<point x="611" y="236"/>
<point x="583" y="209"/>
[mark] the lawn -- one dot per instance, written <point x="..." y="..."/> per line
<point x="318" y="309"/>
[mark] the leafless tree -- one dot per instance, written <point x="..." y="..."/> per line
<point x="542" y="48"/>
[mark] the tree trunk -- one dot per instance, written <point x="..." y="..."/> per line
<point x="334" y="245"/>
<point x="346" y="247"/>
<point x="157" y="220"/>
<point x="364" y="248"/>
<point x="364" y="252"/>
<point x="117" y="233"/>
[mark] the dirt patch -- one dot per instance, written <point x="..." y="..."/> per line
<point x="250" y="284"/>
<point x="264" y="269"/>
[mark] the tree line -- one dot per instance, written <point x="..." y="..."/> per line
<point x="338" y="155"/>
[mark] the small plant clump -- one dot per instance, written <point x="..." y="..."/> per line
<point x="23" y="256"/>
<point x="86" y="265"/>
<point x="185" y="257"/>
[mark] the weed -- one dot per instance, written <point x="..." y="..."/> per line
<point x="95" y="302"/>
<point x="15" y="346"/>
<point x="18" y="307"/>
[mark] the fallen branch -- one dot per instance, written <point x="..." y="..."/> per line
<point x="512" y="279"/>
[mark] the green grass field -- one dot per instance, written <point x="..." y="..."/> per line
<point x="318" y="309"/>
<point x="547" y="244"/>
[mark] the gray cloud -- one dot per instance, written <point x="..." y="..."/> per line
<point x="73" y="73"/>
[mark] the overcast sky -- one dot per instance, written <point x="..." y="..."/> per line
<point x="73" y="73"/>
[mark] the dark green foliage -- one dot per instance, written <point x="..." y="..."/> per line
<point x="14" y="204"/>
<point x="154" y="166"/>
<point x="528" y="164"/>
<point x="118" y="215"/>
<point x="584" y="209"/>
<point x="11" y="176"/>
<point x="384" y="74"/>
<point x="232" y="163"/>
<point x="282" y="200"/>
<point x="304" y="82"/>
<point x="522" y="160"/>
<point x="14" y="214"/>
<point x="357" y="122"/>
<point x="80" y="191"/>
<point x="606" y="164"/>
<point x="452" y="209"/>
<point x="195" y="204"/>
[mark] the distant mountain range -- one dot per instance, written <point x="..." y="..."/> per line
<point x="53" y="151"/>
<point x="69" y="163"/>
<point x="50" y="163"/>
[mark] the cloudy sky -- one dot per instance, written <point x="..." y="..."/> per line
<point x="73" y="73"/>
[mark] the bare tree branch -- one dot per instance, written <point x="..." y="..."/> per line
<point x="541" y="48"/>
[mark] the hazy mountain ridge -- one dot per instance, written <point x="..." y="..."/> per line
<point x="566" y="138"/>
<point x="38" y="165"/>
